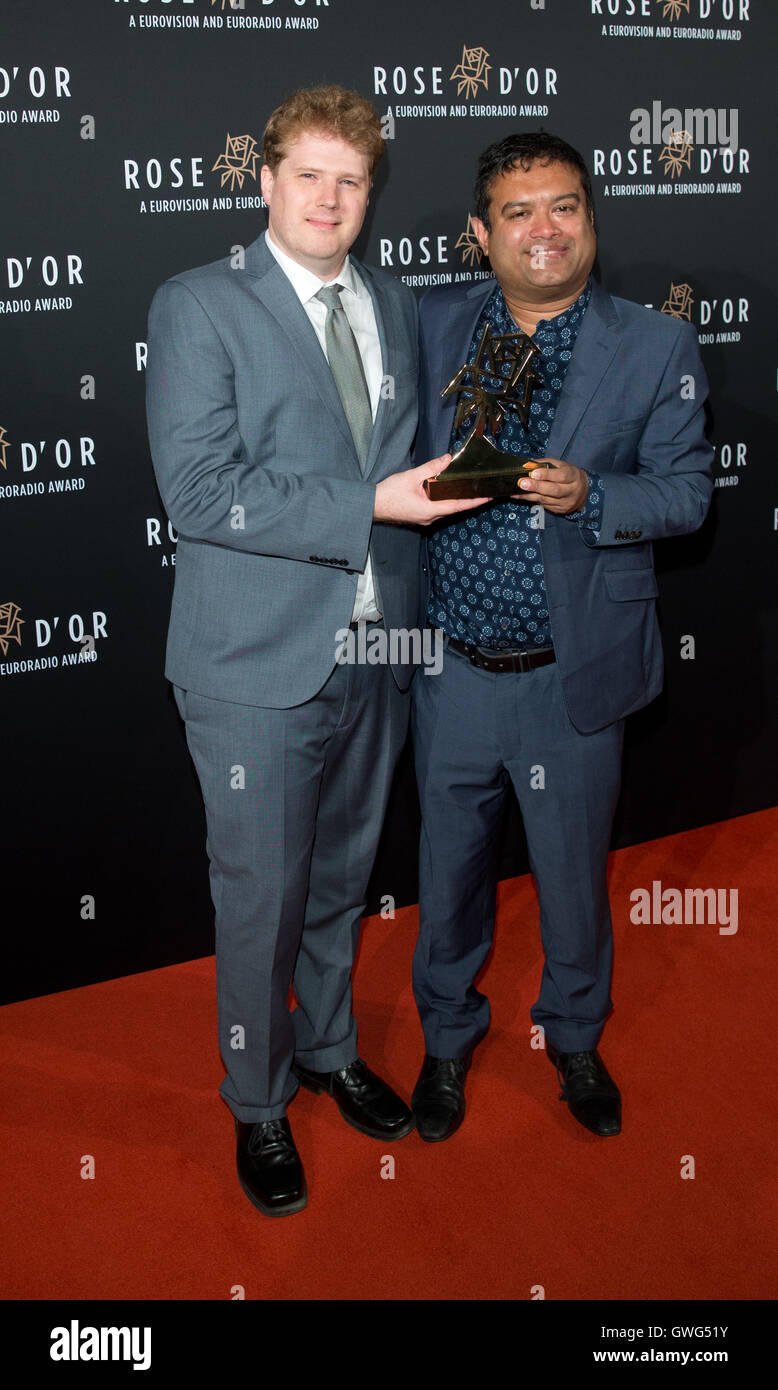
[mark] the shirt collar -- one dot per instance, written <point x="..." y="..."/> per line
<point x="562" y="320"/>
<point x="555" y="325"/>
<point x="307" y="285"/>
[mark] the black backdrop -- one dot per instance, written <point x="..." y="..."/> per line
<point x="113" y="114"/>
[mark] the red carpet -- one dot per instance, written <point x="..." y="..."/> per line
<point x="520" y="1197"/>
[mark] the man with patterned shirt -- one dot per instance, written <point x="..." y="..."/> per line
<point x="547" y="603"/>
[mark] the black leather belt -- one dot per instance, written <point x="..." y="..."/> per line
<point x="510" y="659"/>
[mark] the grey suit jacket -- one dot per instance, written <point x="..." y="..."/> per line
<point x="258" y="473"/>
<point x="631" y="409"/>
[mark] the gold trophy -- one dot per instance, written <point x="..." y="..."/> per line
<point x="479" y="469"/>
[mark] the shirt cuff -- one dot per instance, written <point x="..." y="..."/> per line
<point x="590" y="514"/>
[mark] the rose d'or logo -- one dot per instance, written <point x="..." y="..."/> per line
<point x="724" y="315"/>
<point x="471" y="72"/>
<point x="470" y="78"/>
<point x="469" y="244"/>
<point x="679" y="302"/>
<point x="674" y="9"/>
<point x="10" y="625"/>
<point x="677" y="153"/>
<point x="237" y="161"/>
<point x="433" y="249"/>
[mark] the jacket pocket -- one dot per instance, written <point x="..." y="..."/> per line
<point x="609" y="429"/>
<point x="631" y="584"/>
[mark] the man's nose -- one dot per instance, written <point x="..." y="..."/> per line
<point x="328" y="192"/>
<point x="543" y="223"/>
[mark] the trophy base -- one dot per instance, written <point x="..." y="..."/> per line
<point x="478" y="470"/>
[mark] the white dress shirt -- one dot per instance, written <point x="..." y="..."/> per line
<point x="358" y="308"/>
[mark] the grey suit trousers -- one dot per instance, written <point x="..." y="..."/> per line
<point x="295" y="801"/>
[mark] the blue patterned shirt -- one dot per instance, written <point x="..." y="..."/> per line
<point x="486" y="567"/>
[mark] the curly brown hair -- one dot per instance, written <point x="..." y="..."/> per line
<point x="331" y="111"/>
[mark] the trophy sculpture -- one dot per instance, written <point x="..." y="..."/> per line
<point x="479" y="469"/>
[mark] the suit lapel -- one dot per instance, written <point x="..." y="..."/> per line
<point x="459" y="327"/>
<point x="272" y="288"/>
<point x="455" y="332"/>
<point x="595" y="348"/>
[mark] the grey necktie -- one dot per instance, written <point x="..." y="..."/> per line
<point x="347" y="370"/>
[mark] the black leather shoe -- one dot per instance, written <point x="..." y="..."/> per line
<point x="363" y="1099"/>
<point x="439" y="1097"/>
<point x="591" y="1094"/>
<point x="269" y="1167"/>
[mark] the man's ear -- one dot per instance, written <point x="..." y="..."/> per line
<point x="482" y="234"/>
<point x="266" y="181"/>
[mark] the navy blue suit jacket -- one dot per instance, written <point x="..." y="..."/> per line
<point x="631" y="410"/>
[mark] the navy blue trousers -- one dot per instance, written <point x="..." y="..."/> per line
<point x="475" y="734"/>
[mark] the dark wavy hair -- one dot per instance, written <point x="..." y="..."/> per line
<point x="525" y="149"/>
